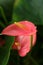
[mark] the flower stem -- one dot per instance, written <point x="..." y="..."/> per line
<point x="3" y="14"/>
<point x="0" y="34"/>
<point x="33" y="60"/>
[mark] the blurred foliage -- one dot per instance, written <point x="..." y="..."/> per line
<point x="5" y="49"/>
<point x="6" y="8"/>
<point x="31" y="10"/>
<point x="17" y="10"/>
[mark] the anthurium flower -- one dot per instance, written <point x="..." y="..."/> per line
<point x="23" y="31"/>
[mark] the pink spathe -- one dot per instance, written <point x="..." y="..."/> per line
<point x="22" y="36"/>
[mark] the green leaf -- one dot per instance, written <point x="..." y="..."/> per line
<point x="14" y="58"/>
<point x="31" y="10"/>
<point x="6" y="10"/>
<point x="5" y="50"/>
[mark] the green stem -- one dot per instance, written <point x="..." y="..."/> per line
<point x="33" y="60"/>
<point x="3" y="14"/>
<point x="0" y="34"/>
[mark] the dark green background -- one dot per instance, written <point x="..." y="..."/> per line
<point x="17" y="10"/>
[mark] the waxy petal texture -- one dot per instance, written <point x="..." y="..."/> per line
<point x="22" y="31"/>
<point x="14" y="30"/>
